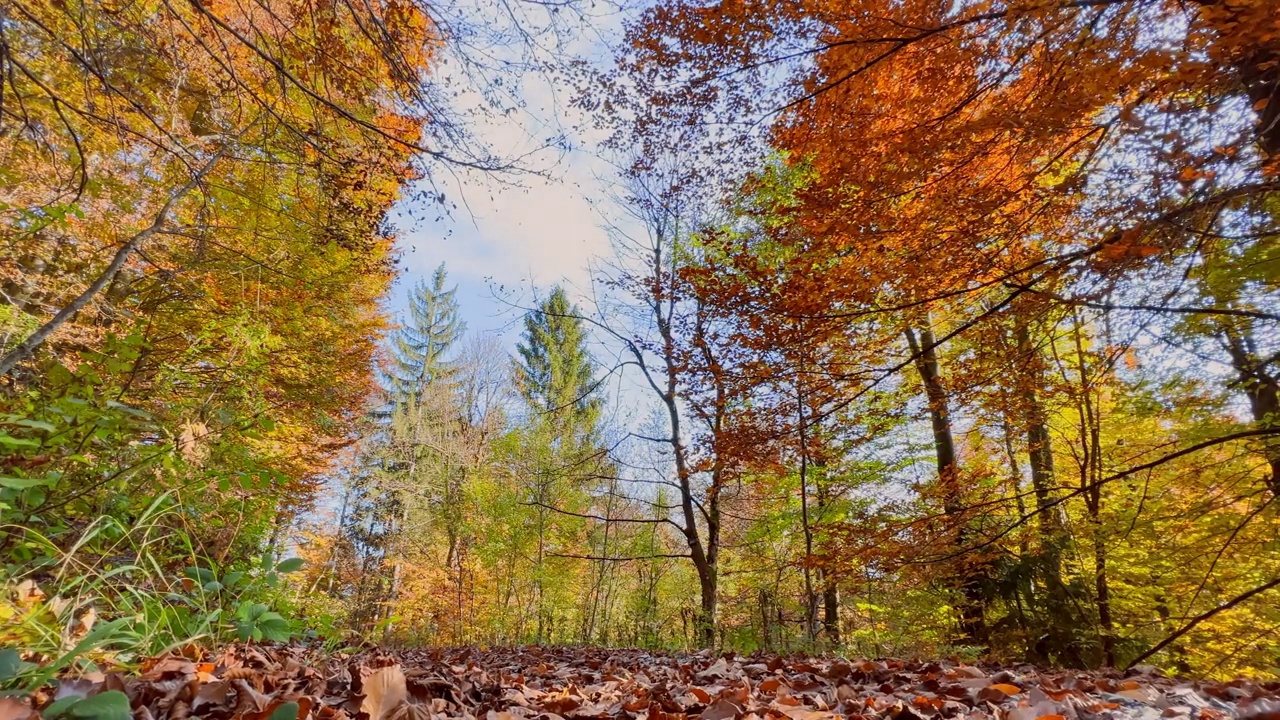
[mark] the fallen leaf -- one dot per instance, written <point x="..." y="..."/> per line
<point x="1006" y="688"/>
<point x="384" y="692"/>
<point x="722" y="709"/>
<point x="14" y="709"/>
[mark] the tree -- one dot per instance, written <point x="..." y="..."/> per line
<point x="419" y="348"/>
<point x="555" y="373"/>
<point x="556" y="378"/>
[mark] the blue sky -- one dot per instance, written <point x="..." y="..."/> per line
<point x="513" y="236"/>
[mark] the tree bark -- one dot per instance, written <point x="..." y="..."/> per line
<point x="1257" y="66"/>
<point x="1091" y="480"/>
<point x="831" y="609"/>
<point x="810" y="594"/>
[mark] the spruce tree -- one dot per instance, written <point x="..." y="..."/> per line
<point x="418" y="348"/>
<point x="555" y="373"/>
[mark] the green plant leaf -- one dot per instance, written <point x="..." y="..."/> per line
<point x="37" y="424"/>
<point x="200" y="575"/>
<point x="274" y="627"/>
<point x="291" y="565"/>
<point x="10" y="441"/>
<point x="17" y="483"/>
<point x="110" y="705"/>
<point x="287" y="711"/>
<point x="58" y="708"/>
<point x="10" y="661"/>
<point x="251" y="611"/>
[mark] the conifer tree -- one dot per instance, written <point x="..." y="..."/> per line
<point x="555" y="376"/>
<point x="555" y="373"/>
<point x="418" y="349"/>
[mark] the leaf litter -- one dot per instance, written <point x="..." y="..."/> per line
<point x="296" y="682"/>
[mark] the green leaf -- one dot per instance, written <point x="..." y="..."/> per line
<point x="110" y="705"/>
<point x="274" y="627"/>
<point x="58" y="708"/>
<point x="10" y="661"/>
<point x="10" y="441"/>
<point x="291" y="565"/>
<point x="114" y="405"/>
<point x="252" y="611"/>
<point x="200" y="575"/>
<point x="37" y="424"/>
<point x="18" y="483"/>
<point x="287" y="711"/>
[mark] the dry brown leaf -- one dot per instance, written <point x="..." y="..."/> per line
<point x="804" y="713"/>
<point x="213" y="693"/>
<point x="384" y="692"/>
<point x="15" y="709"/>
<point x="1006" y="688"/>
<point x="28" y="593"/>
<point x="721" y="709"/>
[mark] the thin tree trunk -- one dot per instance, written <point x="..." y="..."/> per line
<point x="1015" y="478"/>
<point x="831" y="609"/>
<point x="1091" y="478"/>
<point x="811" y="596"/>
<point x="973" y="612"/>
<point x="1257" y="67"/>
<point x="1039" y="445"/>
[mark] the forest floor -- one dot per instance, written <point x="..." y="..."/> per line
<point x="293" y="682"/>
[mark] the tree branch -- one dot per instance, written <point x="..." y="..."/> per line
<point x="37" y="338"/>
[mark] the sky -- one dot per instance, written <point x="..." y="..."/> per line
<point x="506" y="245"/>
<point x="508" y="238"/>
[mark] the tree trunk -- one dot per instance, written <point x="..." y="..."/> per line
<point x="1263" y="391"/>
<point x="973" y="611"/>
<point x="810" y="594"/>
<point x="1091" y="481"/>
<point x="1015" y="477"/>
<point x="1257" y="67"/>
<point x="831" y="609"/>
<point x="1039" y="444"/>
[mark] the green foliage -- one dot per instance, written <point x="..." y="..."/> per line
<point x="112" y="598"/>
<point x="109" y="705"/>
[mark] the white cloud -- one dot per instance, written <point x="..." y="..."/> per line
<point x="544" y="233"/>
